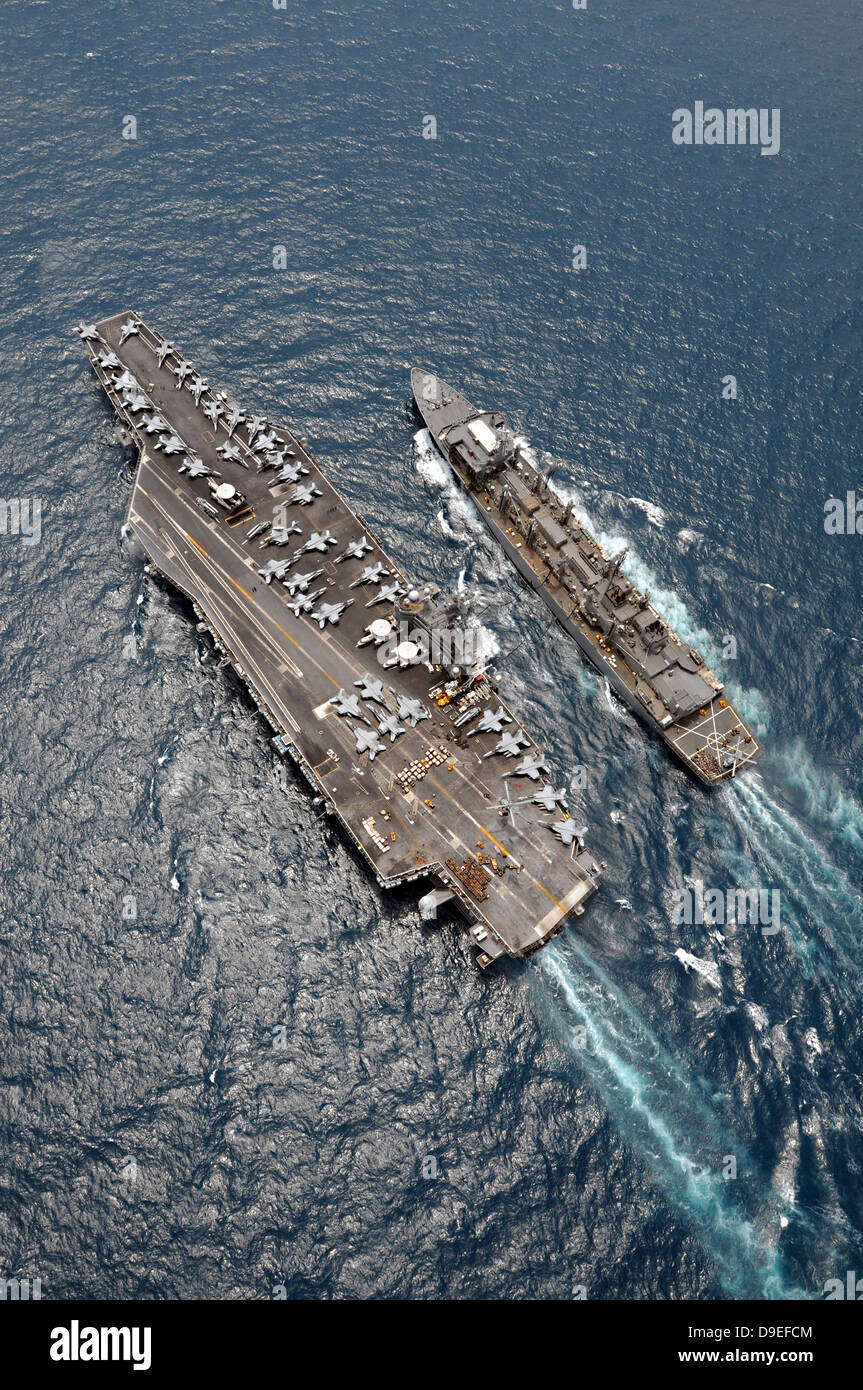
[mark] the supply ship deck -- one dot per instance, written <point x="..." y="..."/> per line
<point x="662" y="679"/>
<point x="429" y="773"/>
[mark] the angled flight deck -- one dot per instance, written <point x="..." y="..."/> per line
<point x="425" y="767"/>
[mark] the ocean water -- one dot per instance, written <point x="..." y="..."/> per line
<point x="230" y="1064"/>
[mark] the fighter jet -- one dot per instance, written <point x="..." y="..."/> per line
<point x="196" y="468"/>
<point x="305" y="494"/>
<point x="492" y="722"/>
<point x="87" y="331"/>
<point x="304" y="603"/>
<point x="277" y="457"/>
<point x="280" y="533"/>
<point x="355" y="550"/>
<point x="125" y="382"/>
<point x="368" y="742"/>
<point x="127" y="329"/>
<point x="348" y="704"/>
<point x="330" y="612"/>
<point x="371" y="689"/>
<point x="197" y="386"/>
<point x="108" y="359"/>
<point x="256" y="426"/>
<point x="370" y="575"/>
<point x="172" y="445"/>
<point x="567" y="831"/>
<point x="529" y="767"/>
<point x="410" y="709"/>
<point x="257" y="530"/>
<point x="550" y="797"/>
<point x="135" y="400"/>
<point x="289" y="473"/>
<point x="231" y="453"/>
<point x="510" y="745"/>
<point x="386" y="593"/>
<point x="266" y="441"/>
<point x="181" y="371"/>
<point x="299" y="583"/>
<point x="274" y="569"/>
<point x="214" y="410"/>
<point x="154" y="424"/>
<point x="390" y="725"/>
<point x="162" y="351"/>
<point x="234" y="417"/>
<point x="319" y="540"/>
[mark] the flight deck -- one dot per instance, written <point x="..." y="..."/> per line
<point x="429" y="772"/>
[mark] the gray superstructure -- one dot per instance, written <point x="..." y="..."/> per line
<point x="428" y="771"/>
<point x="661" y="678"/>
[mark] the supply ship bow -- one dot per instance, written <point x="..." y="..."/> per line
<point x="427" y="770"/>
<point x="662" y="679"/>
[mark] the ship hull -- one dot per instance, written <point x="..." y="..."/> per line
<point x="586" y="647"/>
<point x="709" y="739"/>
<point x="303" y="601"/>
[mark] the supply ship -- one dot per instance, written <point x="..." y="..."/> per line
<point x="663" y="680"/>
<point x="414" y="753"/>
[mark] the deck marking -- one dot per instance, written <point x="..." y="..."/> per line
<point x="494" y="841"/>
<point x="194" y="542"/>
<point x="216" y="593"/>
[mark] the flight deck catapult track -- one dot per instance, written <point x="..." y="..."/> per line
<point x="426" y="769"/>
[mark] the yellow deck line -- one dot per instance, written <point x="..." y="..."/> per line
<point x="283" y="630"/>
<point x="493" y="840"/>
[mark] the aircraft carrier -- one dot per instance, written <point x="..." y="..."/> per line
<point x="662" y="679"/>
<point x="427" y="770"/>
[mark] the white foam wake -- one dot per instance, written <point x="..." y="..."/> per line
<point x="822" y="909"/>
<point x="457" y="518"/>
<point x="667" y="603"/>
<point x="663" y="1113"/>
<point x="655" y="515"/>
<point x="824" y="799"/>
<point x="708" y="969"/>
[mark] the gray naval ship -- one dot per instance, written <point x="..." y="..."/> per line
<point x="663" y="680"/>
<point x="423" y="764"/>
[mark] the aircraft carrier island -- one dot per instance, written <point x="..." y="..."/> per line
<point x="421" y="761"/>
<point x="661" y="678"/>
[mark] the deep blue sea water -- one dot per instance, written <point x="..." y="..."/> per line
<point x="580" y="1111"/>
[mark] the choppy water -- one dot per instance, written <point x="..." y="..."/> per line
<point x="271" y="1075"/>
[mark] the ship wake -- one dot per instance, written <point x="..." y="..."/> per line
<point x="822" y="909"/>
<point x="752" y="704"/>
<point x="459" y="521"/>
<point x="664" y="1115"/>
